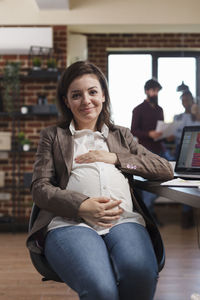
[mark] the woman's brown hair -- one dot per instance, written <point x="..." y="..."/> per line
<point x="75" y="70"/>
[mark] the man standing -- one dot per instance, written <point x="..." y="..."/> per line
<point x="144" y="121"/>
<point x="145" y="117"/>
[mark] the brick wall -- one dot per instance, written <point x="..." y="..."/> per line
<point x="98" y="43"/>
<point x="30" y="125"/>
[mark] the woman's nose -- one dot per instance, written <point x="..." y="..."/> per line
<point x="86" y="98"/>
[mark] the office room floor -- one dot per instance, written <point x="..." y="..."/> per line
<point x="179" y="279"/>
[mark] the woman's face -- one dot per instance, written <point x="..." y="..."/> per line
<point x="85" y="100"/>
<point x="187" y="103"/>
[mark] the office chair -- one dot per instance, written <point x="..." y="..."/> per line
<point x="39" y="261"/>
<point x="42" y="266"/>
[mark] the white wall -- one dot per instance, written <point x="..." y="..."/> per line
<point x="182" y="15"/>
<point x="18" y="40"/>
<point x="76" y="48"/>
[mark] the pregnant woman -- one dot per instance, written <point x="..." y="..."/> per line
<point x="91" y="228"/>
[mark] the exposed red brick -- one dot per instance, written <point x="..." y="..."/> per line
<point x="98" y="43"/>
<point x="97" y="53"/>
<point x="9" y="57"/>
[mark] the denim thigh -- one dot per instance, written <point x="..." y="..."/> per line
<point x="80" y="257"/>
<point x="121" y="265"/>
<point x="134" y="261"/>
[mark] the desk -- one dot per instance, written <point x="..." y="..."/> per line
<point x="184" y="195"/>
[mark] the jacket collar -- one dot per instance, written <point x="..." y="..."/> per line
<point x="104" y="129"/>
<point x="66" y="146"/>
<point x="66" y="142"/>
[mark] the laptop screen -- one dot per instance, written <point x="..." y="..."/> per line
<point x="189" y="150"/>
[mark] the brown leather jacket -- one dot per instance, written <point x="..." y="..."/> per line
<point x="52" y="170"/>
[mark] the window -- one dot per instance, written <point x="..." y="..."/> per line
<point x="171" y="72"/>
<point x="126" y="76"/>
<point x="128" y="72"/>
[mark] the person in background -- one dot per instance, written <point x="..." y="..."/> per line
<point x="92" y="230"/>
<point x="143" y="126"/>
<point x="145" y="117"/>
<point x="190" y="117"/>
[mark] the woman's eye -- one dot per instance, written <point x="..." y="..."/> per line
<point x="75" y="96"/>
<point x="93" y="92"/>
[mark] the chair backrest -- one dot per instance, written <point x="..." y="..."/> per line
<point x="153" y="232"/>
<point x="39" y="261"/>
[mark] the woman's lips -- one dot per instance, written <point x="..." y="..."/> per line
<point x="87" y="109"/>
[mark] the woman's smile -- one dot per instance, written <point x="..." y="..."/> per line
<point x="87" y="108"/>
<point x="85" y="99"/>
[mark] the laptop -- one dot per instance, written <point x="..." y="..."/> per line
<point x="188" y="161"/>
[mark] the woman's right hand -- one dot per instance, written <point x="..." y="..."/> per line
<point x="101" y="211"/>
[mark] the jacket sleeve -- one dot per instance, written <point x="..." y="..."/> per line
<point x="142" y="162"/>
<point x="45" y="189"/>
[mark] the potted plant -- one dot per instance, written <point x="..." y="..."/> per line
<point x="52" y="64"/>
<point x="37" y="62"/>
<point x="24" y="142"/>
<point x="11" y="85"/>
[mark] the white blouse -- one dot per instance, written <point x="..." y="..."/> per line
<point x="97" y="179"/>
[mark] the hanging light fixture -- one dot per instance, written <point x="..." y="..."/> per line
<point x="182" y="87"/>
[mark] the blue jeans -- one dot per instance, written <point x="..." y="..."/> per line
<point x="120" y="265"/>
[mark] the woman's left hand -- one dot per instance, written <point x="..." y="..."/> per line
<point x="97" y="155"/>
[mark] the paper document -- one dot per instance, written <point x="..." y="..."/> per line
<point x="167" y="129"/>
<point x="182" y="182"/>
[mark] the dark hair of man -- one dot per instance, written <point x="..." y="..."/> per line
<point x="152" y="84"/>
<point x="74" y="71"/>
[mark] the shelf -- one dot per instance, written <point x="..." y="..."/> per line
<point x="20" y="115"/>
<point x="17" y="183"/>
<point x="4" y="151"/>
<point x="14" y="225"/>
<point x="6" y="219"/>
<point x="5" y="188"/>
<point x="9" y="187"/>
<point x="15" y="150"/>
<point x="4" y="114"/>
<point x="42" y="114"/>
<point x="39" y="75"/>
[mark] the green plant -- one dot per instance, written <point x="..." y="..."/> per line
<point x="11" y="84"/>
<point x="51" y="63"/>
<point x="37" y="62"/>
<point x="22" y="139"/>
